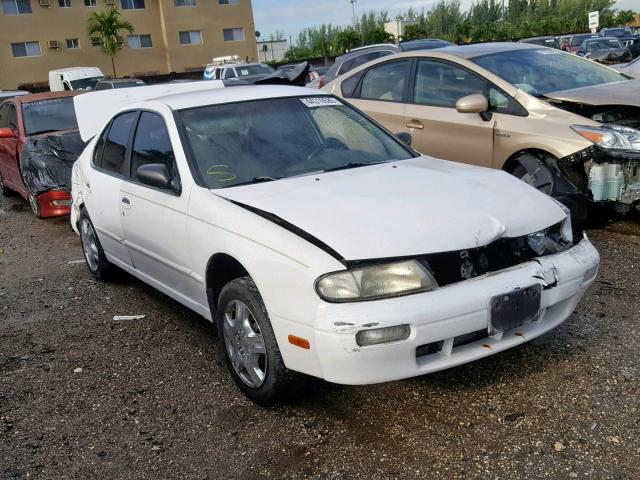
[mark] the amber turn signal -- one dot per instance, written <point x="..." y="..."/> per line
<point x="299" y="342"/>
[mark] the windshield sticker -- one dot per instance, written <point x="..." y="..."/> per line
<point x="320" y="101"/>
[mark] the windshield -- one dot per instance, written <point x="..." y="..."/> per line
<point x="576" y="40"/>
<point x="85" y="83"/>
<point x="538" y="71"/>
<point x="49" y="115"/>
<point x="269" y="139"/>
<point x="604" y="44"/>
<point x="246" y="70"/>
<point x="618" y="32"/>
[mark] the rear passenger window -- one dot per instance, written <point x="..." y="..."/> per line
<point x="152" y="144"/>
<point x="115" y="145"/>
<point x="386" y="81"/>
<point x="349" y="85"/>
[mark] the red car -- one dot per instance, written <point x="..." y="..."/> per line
<point x="24" y="119"/>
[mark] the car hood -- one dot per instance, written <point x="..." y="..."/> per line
<point x="403" y="208"/>
<point x="616" y="93"/>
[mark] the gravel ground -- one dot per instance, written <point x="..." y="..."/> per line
<point x="83" y="396"/>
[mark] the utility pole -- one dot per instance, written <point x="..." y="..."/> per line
<point x="353" y="8"/>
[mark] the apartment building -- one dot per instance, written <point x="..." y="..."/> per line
<point x="170" y="36"/>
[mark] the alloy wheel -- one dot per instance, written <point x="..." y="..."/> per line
<point x="89" y="244"/>
<point x="245" y="344"/>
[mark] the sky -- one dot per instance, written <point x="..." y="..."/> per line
<point x="291" y="16"/>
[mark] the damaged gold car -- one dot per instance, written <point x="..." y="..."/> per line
<point x="563" y="124"/>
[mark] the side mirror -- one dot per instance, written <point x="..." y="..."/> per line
<point x="156" y="175"/>
<point x="7" y="133"/>
<point x="475" y="103"/>
<point x="404" y="137"/>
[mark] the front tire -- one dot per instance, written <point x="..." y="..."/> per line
<point x="97" y="262"/>
<point x="35" y="205"/>
<point x="249" y="344"/>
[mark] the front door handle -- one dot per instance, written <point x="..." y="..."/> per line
<point x="126" y="201"/>
<point x="415" y="124"/>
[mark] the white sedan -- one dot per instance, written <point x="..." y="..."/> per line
<point x="316" y="240"/>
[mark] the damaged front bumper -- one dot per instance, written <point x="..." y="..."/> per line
<point x="450" y="325"/>
<point x="611" y="176"/>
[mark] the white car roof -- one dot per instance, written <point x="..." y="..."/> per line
<point x="94" y="109"/>
<point x="233" y="94"/>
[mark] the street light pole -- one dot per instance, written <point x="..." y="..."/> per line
<point x="353" y="8"/>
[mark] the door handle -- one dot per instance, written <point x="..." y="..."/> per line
<point x="415" y="124"/>
<point x="126" y="201"/>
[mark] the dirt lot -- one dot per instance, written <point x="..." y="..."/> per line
<point x="83" y="396"/>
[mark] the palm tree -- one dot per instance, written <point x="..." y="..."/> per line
<point x="107" y="25"/>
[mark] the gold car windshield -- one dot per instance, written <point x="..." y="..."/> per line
<point x="544" y="70"/>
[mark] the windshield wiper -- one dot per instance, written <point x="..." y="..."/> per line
<point x="260" y="179"/>
<point x="40" y="132"/>
<point x="351" y="165"/>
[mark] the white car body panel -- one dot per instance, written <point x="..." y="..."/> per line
<point x="409" y="207"/>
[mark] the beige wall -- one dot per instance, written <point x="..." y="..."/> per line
<point x="160" y="18"/>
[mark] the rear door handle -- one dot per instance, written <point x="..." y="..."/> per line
<point x="126" y="201"/>
<point x="415" y="124"/>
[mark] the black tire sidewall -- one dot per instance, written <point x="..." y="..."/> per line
<point x="104" y="268"/>
<point x="277" y="376"/>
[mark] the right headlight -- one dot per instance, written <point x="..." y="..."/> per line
<point x="375" y="282"/>
<point x="610" y="137"/>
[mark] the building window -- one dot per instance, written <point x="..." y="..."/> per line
<point x="89" y="3"/>
<point x="96" y="42"/>
<point x="73" y="43"/>
<point x="26" y="49"/>
<point x="132" y="4"/>
<point x="139" y="41"/>
<point x="184" y="3"/>
<point x="233" y="34"/>
<point x="228" y="2"/>
<point x="193" y="37"/>
<point x="16" y="7"/>
<point x="64" y="3"/>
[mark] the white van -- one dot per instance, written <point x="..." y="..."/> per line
<point x="74" y="78"/>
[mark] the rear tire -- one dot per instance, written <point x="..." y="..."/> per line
<point x="4" y="191"/>
<point x="99" y="267"/>
<point x="249" y="344"/>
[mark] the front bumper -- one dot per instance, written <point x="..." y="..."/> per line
<point x="448" y="318"/>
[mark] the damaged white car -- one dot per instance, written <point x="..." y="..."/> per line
<point x="316" y="240"/>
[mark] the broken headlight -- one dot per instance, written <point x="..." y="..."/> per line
<point x="610" y="137"/>
<point x="553" y="239"/>
<point x="375" y="281"/>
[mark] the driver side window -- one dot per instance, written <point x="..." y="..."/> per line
<point x="152" y="144"/>
<point x="440" y="84"/>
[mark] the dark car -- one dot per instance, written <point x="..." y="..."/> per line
<point x="361" y="55"/>
<point x="119" y="83"/>
<point x="546" y="41"/>
<point x="576" y="40"/>
<point x="30" y="158"/>
<point x="606" y="50"/>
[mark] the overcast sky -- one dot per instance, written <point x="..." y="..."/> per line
<point x="291" y="16"/>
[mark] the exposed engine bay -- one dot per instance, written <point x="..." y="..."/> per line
<point x="606" y="174"/>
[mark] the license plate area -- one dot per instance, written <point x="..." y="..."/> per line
<point x="514" y="309"/>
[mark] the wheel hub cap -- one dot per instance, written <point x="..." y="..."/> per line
<point x="245" y="344"/>
<point x="89" y="244"/>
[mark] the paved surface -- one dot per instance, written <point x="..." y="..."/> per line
<point x="83" y="396"/>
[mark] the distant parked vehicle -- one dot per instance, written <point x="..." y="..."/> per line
<point x="119" y="83"/>
<point x="361" y="55"/>
<point x="74" y="78"/>
<point x="546" y="41"/>
<point x="606" y="50"/>
<point x="30" y="120"/>
<point x="7" y="94"/>
<point x="576" y="40"/>
<point x="624" y="34"/>
<point x="237" y="70"/>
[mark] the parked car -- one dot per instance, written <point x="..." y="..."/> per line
<point x="576" y="40"/>
<point x="241" y="71"/>
<point x="361" y="55"/>
<point x="312" y="74"/>
<point x="632" y="68"/>
<point x="563" y="124"/>
<point x="604" y="50"/>
<point x="74" y="78"/>
<point x="624" y="34"/>
<point x="7" y="94"/>
<point x="119" y="83"/>
<point x="316" y="240"/>
<point x="29" y="118"/>
<point x="546" y="41"/>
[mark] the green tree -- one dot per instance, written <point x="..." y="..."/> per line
<point x="346" y="40"/>
<point x="624" y="17"/>
<point x="107" y="25"/>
